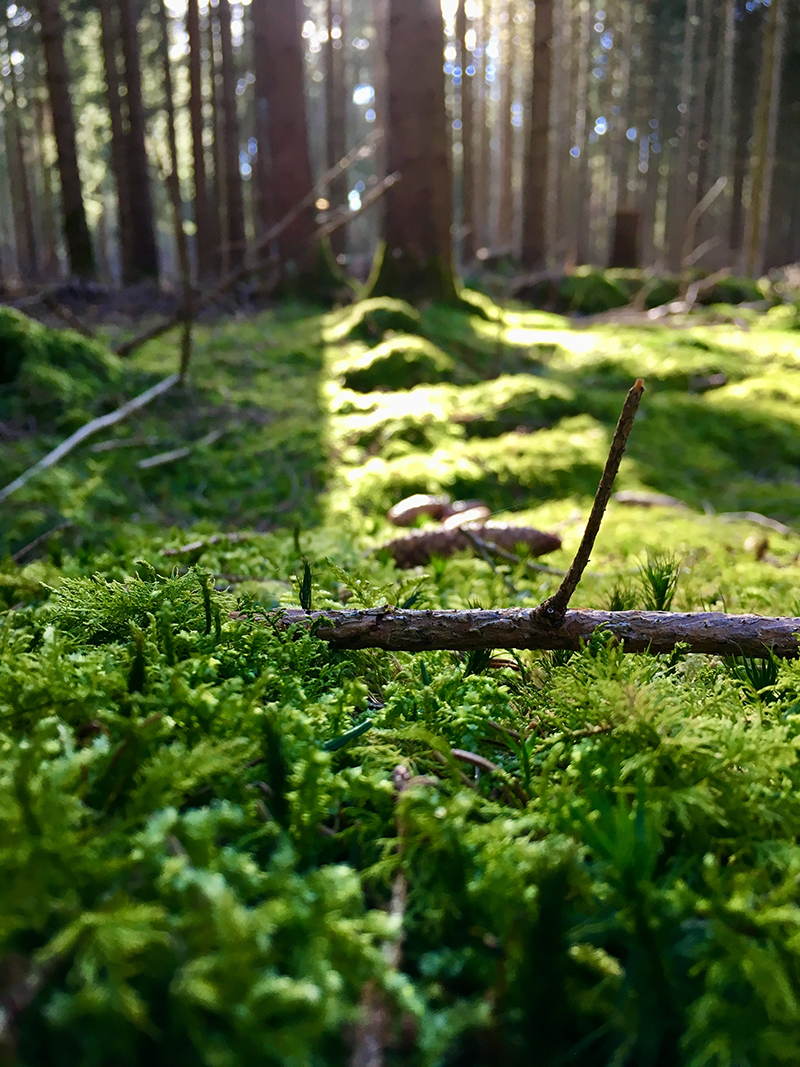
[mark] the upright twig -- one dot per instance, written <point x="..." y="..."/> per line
<point x="554" y="608"/>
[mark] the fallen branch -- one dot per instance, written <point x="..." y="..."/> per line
<point x="637" y="631"/>
<point x="198" y="546"/>
<point x="161" y="459"/>
<point x="554" y="608"/>
<point x="418" y="548"/>
<point x="89" y="430"/>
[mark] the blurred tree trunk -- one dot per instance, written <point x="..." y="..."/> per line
<point x="109" y="31"/>
<point x="483" y="139"/>
<point x="536" y="200"/>
<point x="783" y="232"/>
<point x="204" y="243"/>
<point x="582" y="186"/>
<point x="144" y="253"/>
<point x="336" y="112"/>
<point x="234" y="201"/>
<point x="703" y="110"/>
<point x="467" y="139"/>
<point x="18" y="169"/>
<point x="564" y="93"/>
<point x="219" y="215"/>
<point x="265" y="214"/>
<point x="417" y="263"/>
<point x="678" y="195"/>
<point x="76" y="230"/>
<point x="765" y="128"/>
<point x="505" y="195"/>
<point x="50" y="266"/>
<point x="286" y="116"/>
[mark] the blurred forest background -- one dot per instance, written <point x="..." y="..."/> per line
<point x="657" y="134"/>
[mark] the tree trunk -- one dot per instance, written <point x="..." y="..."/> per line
<point x="418" y="260"/>
<point x="50" y="267"/>
<point x="536" y="207"/>
<point x="76" y="230"/>
<point x="21" y="201"/>
<point x="581" y="212"/>
<point x="219" y="215"/>
<point x="678" y="206"/>
<point x="765" y="127"/>
<point x="144" y="254"/>
<point x="505" y="155"/>
<point x="234" y="201"/>
<point x="467" y="139"/>
<point x="336" y="112"/>
<point x="204" y="243"/>
<point x="483" y="150"/>
<point x="119" y="144"/>
<point x="288" y="140"/>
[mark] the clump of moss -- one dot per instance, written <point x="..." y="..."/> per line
<point x="400" y="363"/>
<point x="731" y="291"/>
<point x="370" y="320"/>
<point x="48" y="371"/>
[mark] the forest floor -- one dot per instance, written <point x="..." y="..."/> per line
<point x="224" y="846"/>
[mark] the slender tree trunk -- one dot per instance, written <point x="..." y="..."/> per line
<point x="119" y="143"/>
<point x="561" y="138"/>
<point x="76" y="229"/>
<point x="766" y="121"/>
<point x="48" y="213"/>
<point x="505" y="197"/>
<point x="678" y="206"/>
<point x="336" y="112"/>
<point x="219" y="213"/>
<point x="418" y="259"/>
<point x="467" y="138"/>
<point x="286" y="113"/>
<point x="483" y="153"/>
<point x="204" y="243"/>
<point x="144" y="255"/>
<point x="536" y="201"/>
<point x="581" y="212"/>
<point x="233" y="178"/>
<point x="16" y="149"/>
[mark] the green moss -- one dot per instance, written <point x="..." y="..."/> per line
<point x="369" y="320"/>
<point x="399" y="363"/>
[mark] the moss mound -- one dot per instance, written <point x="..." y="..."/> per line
<point x="586" y="292"/>
<point x="731" y="291"/>
<point x="46" y="371"/>
<point x="370" y="320"/>
<point x="400" y="363"/>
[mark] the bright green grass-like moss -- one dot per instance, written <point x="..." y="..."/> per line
<point x="200" y="837"/>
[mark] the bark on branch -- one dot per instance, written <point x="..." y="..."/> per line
<point x="637" y="631"/>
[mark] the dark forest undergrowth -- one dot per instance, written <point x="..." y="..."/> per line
<point x="206" y="857"/>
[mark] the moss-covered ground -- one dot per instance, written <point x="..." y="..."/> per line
<point x="205" y="859"/>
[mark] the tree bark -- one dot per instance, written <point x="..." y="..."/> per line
<point x="265" y="209"/>
<point x="109" y="32"/>
<point x="536" y="201"/>
<point x="677" y="206"/>
<point x="467" y="139"/>
<point x="204" y="243"/>
<point x="711" y="633"/>
<point x="21" y="199"/>
<point x="144" y="253"/>
<point x="417" y="263"/>
<point x="76" y="229"/>
<point x="581" y="212"/>
<point x="50" y="267"/>
<point x="505" y="153"/>
<point x="288" y="138"/>
<point x="765" y="127"/>
<point x="234" y="201"/>
<point x="336" y="112"/>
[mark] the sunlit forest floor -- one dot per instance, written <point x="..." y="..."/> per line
<point x="319" y="422"/>
<point x="223" y="845"/>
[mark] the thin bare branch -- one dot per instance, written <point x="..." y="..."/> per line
<point x="554" y="608"/>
